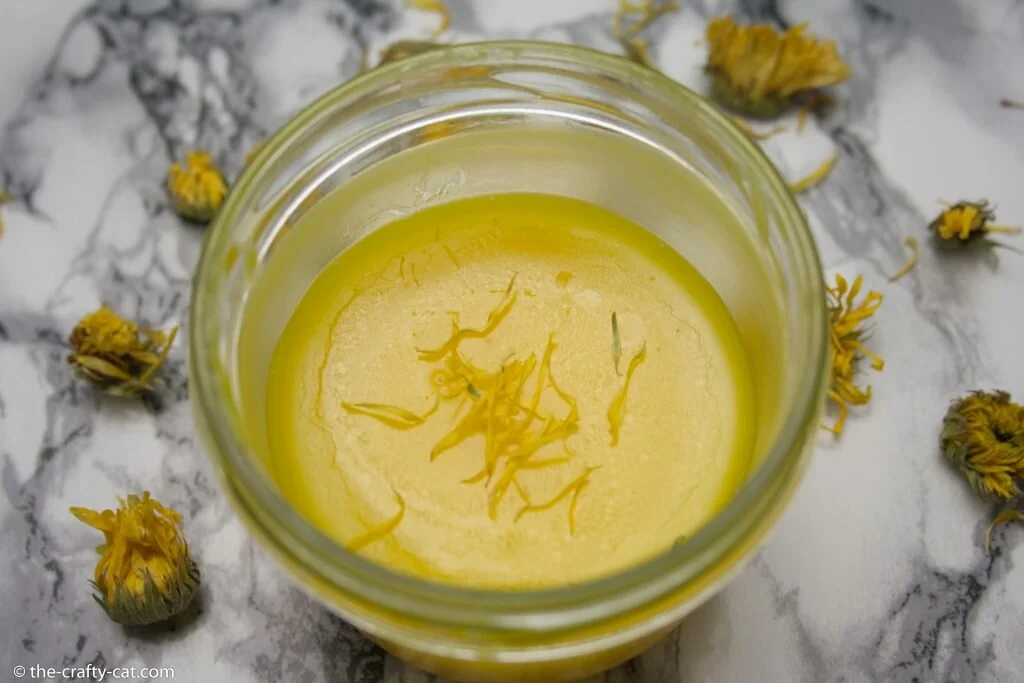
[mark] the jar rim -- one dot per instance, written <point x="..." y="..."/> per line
<point x="753" y="508"/>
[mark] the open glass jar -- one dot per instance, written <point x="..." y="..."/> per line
<point x="510" y="117"/>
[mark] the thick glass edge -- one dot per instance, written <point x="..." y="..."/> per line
<point x="601" y="598"/>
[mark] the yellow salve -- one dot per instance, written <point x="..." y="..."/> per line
<point x="640" y="430"/>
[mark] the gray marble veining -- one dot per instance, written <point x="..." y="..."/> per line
<point x="874" y="574"/>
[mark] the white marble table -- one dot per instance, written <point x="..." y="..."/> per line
<point x="874" y="574"/>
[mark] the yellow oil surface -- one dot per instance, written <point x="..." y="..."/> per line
<point x="686" y="436"/>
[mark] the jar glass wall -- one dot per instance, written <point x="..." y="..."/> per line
<point x="509" y="117"/>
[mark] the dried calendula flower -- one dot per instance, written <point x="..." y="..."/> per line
<point x="116" y="354"/>
<point x="967" y="222"/>
<point x="983" y="436"/>
<point x="144" y="574"/>
<point x="196" y="188"/>
<point x="758" y="71"/>
<point x="846" y="319"/>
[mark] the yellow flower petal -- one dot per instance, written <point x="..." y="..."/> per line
<point x="439" y="8"/>
<point x="915" y="251"/>
<point x="1003" y="517"/>
<point x="617" y="409"/>
<point x="393" y="416"/>
<point x="846" y="319"/>
<point x="381" y="530"/>
<point x="816" y="177"/>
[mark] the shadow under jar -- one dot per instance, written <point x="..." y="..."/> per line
<point x="489" y="120"/>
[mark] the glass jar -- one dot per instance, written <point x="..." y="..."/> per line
<point x="501" y="117"/>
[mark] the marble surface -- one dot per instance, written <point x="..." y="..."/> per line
<point x="875" y="572"/>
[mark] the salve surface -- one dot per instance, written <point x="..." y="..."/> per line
<point x="357" y="338"/>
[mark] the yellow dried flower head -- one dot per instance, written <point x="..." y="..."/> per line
<point x="144" y="574"/>
<point x="196" y="188"/>
<point x="965" y="222"/>
<point x="847" y="320"/>
<point x="757" y="71"/>
<point x="983" y="435"/>
<point x="116" y="354"/>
